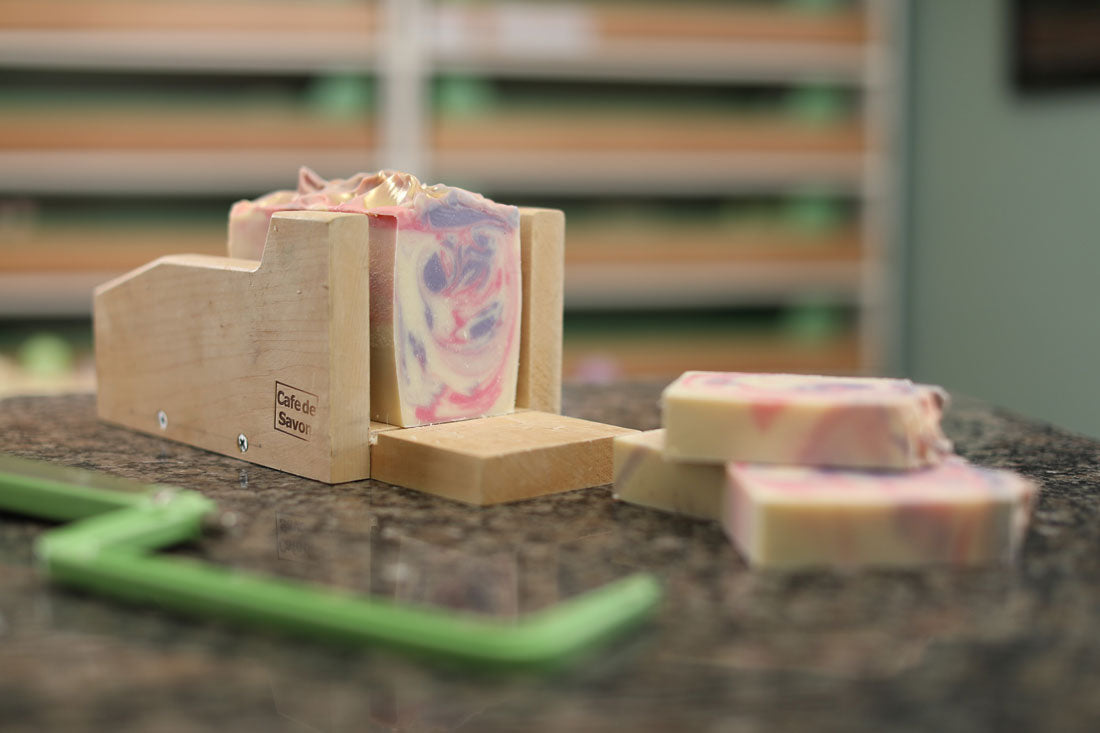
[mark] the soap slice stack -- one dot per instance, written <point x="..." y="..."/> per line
<point x="810" y="471"/>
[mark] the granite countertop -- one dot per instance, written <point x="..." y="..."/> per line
<point x="731" y="650"/>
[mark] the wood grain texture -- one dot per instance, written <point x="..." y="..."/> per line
<point x="209" y="340"/>
<point x="492" y="460"/>
<point x="542" y="254"/>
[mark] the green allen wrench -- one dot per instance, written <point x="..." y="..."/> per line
<point x="110" y="550"/>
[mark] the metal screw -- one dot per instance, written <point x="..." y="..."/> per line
<point x="242" y="443"/>
<point x="162" y="419"/>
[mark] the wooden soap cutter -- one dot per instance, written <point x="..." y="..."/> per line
<point x="205" y="350"/>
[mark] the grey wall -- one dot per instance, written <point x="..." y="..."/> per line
<point x="1003" y="223"/>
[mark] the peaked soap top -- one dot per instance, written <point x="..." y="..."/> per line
<point x="382" y="192"/>
<point x="361" y="192"/>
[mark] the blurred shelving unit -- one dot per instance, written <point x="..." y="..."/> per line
<point x="128" y="127"/>
<point x="725" y="167"/>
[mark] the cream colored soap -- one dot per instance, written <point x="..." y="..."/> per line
<point x="644" y="476"/>
<point x="804" y="420"/>
<point x="788" y="517"/>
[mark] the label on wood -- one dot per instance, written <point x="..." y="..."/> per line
<point x="295" y="411"/>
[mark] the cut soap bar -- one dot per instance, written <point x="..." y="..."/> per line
<point x="644" y="476"/>
<point x="497" y="459"/>
<point x="445" y="290"/>
<point x="788" y="517"/>
<point x="804" y="420"/>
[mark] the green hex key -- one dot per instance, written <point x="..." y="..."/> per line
<point x="110" y="550"/>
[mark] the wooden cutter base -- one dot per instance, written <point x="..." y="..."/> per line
<point x="492" y="460"/>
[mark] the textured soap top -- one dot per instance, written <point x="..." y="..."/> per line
<point x="385" y="192"/>
<point x="791" y="389"/>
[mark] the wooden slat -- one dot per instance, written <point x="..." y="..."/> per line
<point x="727" y="22"/>
<point x="103" y="249"/>
<point x="642" y="132"/>
<point x="58" y="127"/>
<point x="700" y="22"/>
<point x="542" y="243"/>
<point x="659" y="355"/>
<point x="663" y="243"/>
<point x="492" y="460"/>
<point x="192" y="15"/>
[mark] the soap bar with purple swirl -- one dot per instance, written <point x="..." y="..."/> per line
<point x="444" y="290"/>
<point x="789" y="517"/>
<point x="804" y="420"/>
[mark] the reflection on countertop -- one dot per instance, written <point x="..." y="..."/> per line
<point x="1015" y="647"/>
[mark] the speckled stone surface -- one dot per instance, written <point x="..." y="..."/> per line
<point x="1012" y="648"/>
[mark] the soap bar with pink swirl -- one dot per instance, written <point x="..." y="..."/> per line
<point x="789" y="517"/>
<point x="804" y="420"/>
<point x="444" y="290"/>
